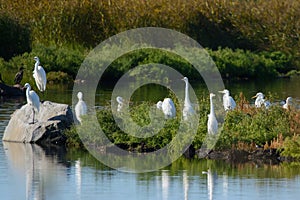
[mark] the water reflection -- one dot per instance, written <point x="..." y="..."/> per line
<point x="31" y="161"/>
<point x="78" y="178"/>
<point x="185" y="184"/>
<point x="165" y="183"/>
<point x="211" y="179"/>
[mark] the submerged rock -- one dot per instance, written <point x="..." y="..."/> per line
<point x="48" y="128"/>
<point x="12" y="91"/>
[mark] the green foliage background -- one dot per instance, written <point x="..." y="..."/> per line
<point x="255" y="25"/>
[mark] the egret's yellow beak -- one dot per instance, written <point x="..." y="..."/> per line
<point x="221" y="91"/>
<point x="254" y="97"/>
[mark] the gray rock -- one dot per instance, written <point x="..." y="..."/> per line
<point x="49" y="124"/>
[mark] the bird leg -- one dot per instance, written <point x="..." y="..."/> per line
<point x="43" y="94"/>
<point x="32" y="116"/>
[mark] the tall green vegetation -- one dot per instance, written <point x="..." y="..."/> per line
<point x="247" y="24"/>
<point x="233" y="64"/>
<point x="14" y="37"/>
<point x="243" y="128"/>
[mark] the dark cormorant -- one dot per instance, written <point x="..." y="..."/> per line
<point x="19" y="76"/>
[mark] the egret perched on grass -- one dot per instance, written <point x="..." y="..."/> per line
<point x="32" y="99"/>
<point x="80" y="108"/>
<point x="187" y="107"/>
<point x="159" y="105"/>
<point x="228" y="101"/>
<point x="19" y="76"/>
<point x="120" y="101"/>
<point x="259" y="101"/>
<point x="168" y="108"/>
<point x="212" y="123"/>
<point x="39" y="75"/>
<point x="288" y="103"/>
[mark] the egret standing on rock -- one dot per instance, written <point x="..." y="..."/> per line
<point x="32" y="99"/>
<point x="168" y="108"/>
<point x="80" y="108"/>
<point x="187" y="107"/>
<point x="212" y="123"/>
<point x="120" y="101"/>
<point x="39" y="75"/>
<point x="19" y="76"/>
<point x="228" y="101"/>
<point x="259" y="101"/>
<point x="288" y="103"/>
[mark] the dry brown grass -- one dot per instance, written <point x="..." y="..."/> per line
<point x="258" y="24"/>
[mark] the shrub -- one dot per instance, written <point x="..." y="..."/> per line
<point x="15" y="38"/>
<point x="243" y="128"/>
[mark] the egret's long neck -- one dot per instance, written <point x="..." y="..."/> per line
<point x="27" y="91"/>
<point x="187" y="97"/>
<point x="37" y="63"/>
<point x="259" y="99"/>
<point x="212" y="111"/>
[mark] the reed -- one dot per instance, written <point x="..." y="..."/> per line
<point x="248" y="24"/>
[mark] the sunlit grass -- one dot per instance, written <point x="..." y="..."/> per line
<point x="243" y="129"/>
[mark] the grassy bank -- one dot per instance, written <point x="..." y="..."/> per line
<point x="243" y="129"/>
<point x="62" y="63"/>
<point x="255" y="25"/>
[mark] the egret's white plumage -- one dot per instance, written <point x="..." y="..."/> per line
<point x="168" y="108"/>
<point x="187" y="107"/>
<point x="260" y="101"/>
<point x="80" y="108"/>
<point x="159" y="105"/>
<point x="228" y="101"/>
<point x="120" y="101"/>
<point x="32" y="99"/>
<point x="39" y="75"/>
<point x="288" y="103"/>
<point x="212" y="123"/>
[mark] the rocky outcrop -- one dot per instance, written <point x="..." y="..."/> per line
<point x="48" y="128"/>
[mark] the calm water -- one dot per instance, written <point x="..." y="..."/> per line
<point x="31" y="172"/>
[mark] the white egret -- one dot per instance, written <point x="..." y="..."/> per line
<point x="32" y="99"/>
<point x="212" y="123"/>
<point x="288" y="103"/>
<point x="19" y="76"/>
<point x="159" y="105"/>
<point x="120" y="101"/>
<point x="39" y="75"/>
<point x="259" y="101"/>
<point x="228" y="101"/>
<point x="80" y="108"/>
<point x="168" y="108"/>
<point x="187" y="108"/>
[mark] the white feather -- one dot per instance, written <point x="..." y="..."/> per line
<point x="39" y="75"/>
<point x="187" y="107"/>
<point x="80" y="108"/>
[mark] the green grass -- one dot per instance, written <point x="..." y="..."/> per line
<point x="64" y="61"/>
<point x="243" y="128"/>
